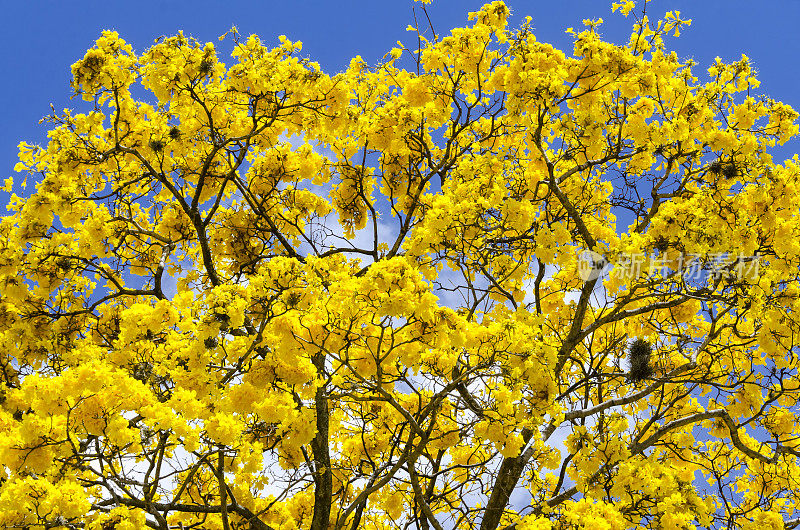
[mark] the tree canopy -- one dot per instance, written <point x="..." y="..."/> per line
<point x="483" y="284"/>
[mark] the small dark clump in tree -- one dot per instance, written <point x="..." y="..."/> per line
<point x="639" y="360"/>
<point x="726" y="169"/>
<point x="94" y="62"/>
<point x="206" y="66"/>
<point x="730" y="170"/>
<point x="661" y="244"/>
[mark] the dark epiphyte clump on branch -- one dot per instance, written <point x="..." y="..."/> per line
<point x="639" y="360"/>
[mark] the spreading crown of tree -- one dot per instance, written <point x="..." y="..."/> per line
<point x="258" y="295"/>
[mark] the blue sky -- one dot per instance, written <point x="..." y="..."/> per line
<point x="41" y="39"/>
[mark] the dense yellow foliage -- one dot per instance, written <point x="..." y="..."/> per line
<point x="256" y="295"/>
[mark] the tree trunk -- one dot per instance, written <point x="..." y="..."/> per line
<point x="507" y="478"/>
<point x="323" y="477"/>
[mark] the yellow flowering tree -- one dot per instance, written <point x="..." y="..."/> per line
<point x="258" y="296"/>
